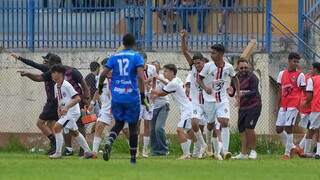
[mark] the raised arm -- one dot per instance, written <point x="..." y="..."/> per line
<point x="102" y="77"/>
<point x="184" y="47"/>
<point x="32" y="76"/>
<point x="41" y="67"/>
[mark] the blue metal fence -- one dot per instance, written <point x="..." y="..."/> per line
<point x="83" y="24"/>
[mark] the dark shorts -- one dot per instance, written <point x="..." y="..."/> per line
<point x="128" y="112"/>
<point x="248" y="118"/>
<point x="50" y="112"/>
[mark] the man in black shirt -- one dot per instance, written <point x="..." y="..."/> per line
<point x="91" y="80"/>
<point x="49" y="114"/>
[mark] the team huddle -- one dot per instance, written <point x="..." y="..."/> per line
<point x="131" y="89"/>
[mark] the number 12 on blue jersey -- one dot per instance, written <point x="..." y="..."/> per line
<point x="123" y="66"/>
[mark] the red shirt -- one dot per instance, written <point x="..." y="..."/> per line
<point x="303" y="99"/>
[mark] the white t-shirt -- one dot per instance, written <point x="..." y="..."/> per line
<point x="196" y="92"/>
<point x="150" y="72"/>
<point x="217" y="79"/>
<point x="175" y="88"/>
<point x="105" y="97"/>
<point x="309" y="85"/>
<point x="301" y="81"/>
<point x="160" y="101"/>
<point x="65" y="94"/>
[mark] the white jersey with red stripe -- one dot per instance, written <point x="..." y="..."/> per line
<point x="196" y="92"/>
<point x="217" y="78"/>
<point x="64" y="94"/>
<point x="150" y="72"/>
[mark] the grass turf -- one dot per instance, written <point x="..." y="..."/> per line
<point x="33" y="166"/>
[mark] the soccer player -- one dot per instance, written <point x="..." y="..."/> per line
<point x="127" y="73"/>
<point x="291" y="82"/>
<point x="213" y="79"/>
<point x="196" y="63"/>
<point x="175" y="87"/>
<point x="68" y="112"/>
<point x="105" y="115"/>
<point x="313" y="96"/>
<point x="49" y="114"/>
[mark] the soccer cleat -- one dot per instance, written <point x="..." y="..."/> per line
<point x="253" y="154"/>
<point x="209" y="151"/>
<point x="184" y="157"/>
<point x="317" y="156"/>
<point x="133" y="160"/>
<point x="55" y="156"/>
<point x="196" y="150"/>
<point x="285" y="157"/>
<point x="202" y="151"/>
<point x="217" y="157"/>
<point x="106" y="152"/>
<point x="240" y="156"/>
<point x="227" y="155"/>
<point x="145" y="152"/>
<point x="67" y="152"/>
<point x="51" y="151"/>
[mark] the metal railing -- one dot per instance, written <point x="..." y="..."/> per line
<point x="78" y="24"/>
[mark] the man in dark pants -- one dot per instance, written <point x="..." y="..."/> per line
<point x="74" y="77"/>
<point x="49" y="114"/>
<point x="91" y="80"/>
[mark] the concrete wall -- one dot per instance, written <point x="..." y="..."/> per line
<point x="21" y="100"/>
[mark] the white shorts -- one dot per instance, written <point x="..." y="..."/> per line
<point x="209" y="110"/>
<point x="287" y="117"/>
<point x="185" y="120"/>
<point x="221" y="110"/>
<point x="305" y="121"/>
<point x="314" y="120"/>
<point x="198" y="113"/>
<point x="144" y="114"/>
<point x="105" y="116"/>
<point x="69" y="122"/>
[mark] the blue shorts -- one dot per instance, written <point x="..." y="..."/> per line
<point x="128" y="112"/>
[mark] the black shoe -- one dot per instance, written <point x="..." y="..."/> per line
<point x="317" y="156"/>
<point x="51" y="151"/>
<point x="133" y="160"/>
<point x="67" y="152"/>
<point x="106" y="152"/>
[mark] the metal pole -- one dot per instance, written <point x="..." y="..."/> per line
<point x="31" y="32"/>
<point x="268" y="26"/>
<point x="301" y="24"/>
<point x="149" y="27"/>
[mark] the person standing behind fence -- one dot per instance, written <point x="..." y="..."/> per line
<point x="91" y="80"/>
<point x="249" y="110"/>
<point x="134" y="13"/>
<point x="158" y="140"/>
<point x="167" y="15"/>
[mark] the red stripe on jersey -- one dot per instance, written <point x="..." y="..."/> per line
<point x="59" y="95"/>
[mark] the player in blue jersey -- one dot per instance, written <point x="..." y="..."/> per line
<point x="127" y="78"/>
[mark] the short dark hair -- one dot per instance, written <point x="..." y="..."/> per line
<point x="197" y="55"/>
<point x="171" y="67"/>
<point x="52" y="59"/>
<point x="94" y="66"/>
<point x="316" y="65"/>
<point x="218" y="47"/>
<point x="293" y="55"/>
<point x="242" y="59"/>
<point x="128" y="40"/>
<point x="58" y="68"/>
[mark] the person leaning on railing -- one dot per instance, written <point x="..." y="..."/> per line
<point x="134" y="13"/>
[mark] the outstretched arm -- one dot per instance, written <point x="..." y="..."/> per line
<point x="41" y="67"/>
<point x="33" y="77"/>
<point x="184" y="47"/>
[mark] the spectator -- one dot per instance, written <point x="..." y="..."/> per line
<point x="134" y="13"/>
<point x="250" y="109"/>
<point x="91" y="80"/>
<point x="167" y="15"/>
<point x="226" y="6"/>
<point x="186" y="10"/>
<point x="159" y="146"/>
<point x="202" y="12"/>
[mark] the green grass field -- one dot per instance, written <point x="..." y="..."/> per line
<point x="34" y="166"/>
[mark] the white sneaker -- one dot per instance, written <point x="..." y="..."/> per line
<point x="253" y="154"/>
<point x="240" y="156"/>
<point x="202" y="151"/>
<point x="227" y="155"/>
<point x="55" y="156"/>
<point x="196" y="150"/>
<point x="209" y="151"/>
<point x="217" y="157"/>
<point x="184" y="157"/>
<point x="145" y="152"/>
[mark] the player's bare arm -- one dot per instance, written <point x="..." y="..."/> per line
<point x="102" y="77"/>
<point x="164" y="81"/>
<point x="203" y="86"/>
<point x="75" y="100"/>
<point x="184" y="47"/>
<point x="236" y="82"/>
<point x="309" y="95"/>
<point x="32" y="76"/>
<point x="141" y="81"/>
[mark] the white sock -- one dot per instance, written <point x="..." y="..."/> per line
<point x="318" y="148"/>
<point x="307" y="146"/>
<point x="146" y="141"/>
<point x="225" y="137"/>
<point x="220" y="147"/>
<point x="199" y="138"/>
<point x="303" y="141"/>
<point x="59" y="142"/>
<point x="83" y="143"/>
<point x="215" y="144"/>
<point x="96" y="144"/>
<point x="208" y="136"/>
<point x="289" y="144"/>
<point x="186" y="147"/>
<point x="283" y="137"/>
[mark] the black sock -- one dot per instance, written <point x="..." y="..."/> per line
<point x="133" y="141"/>
<point x="115" y="131"/>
